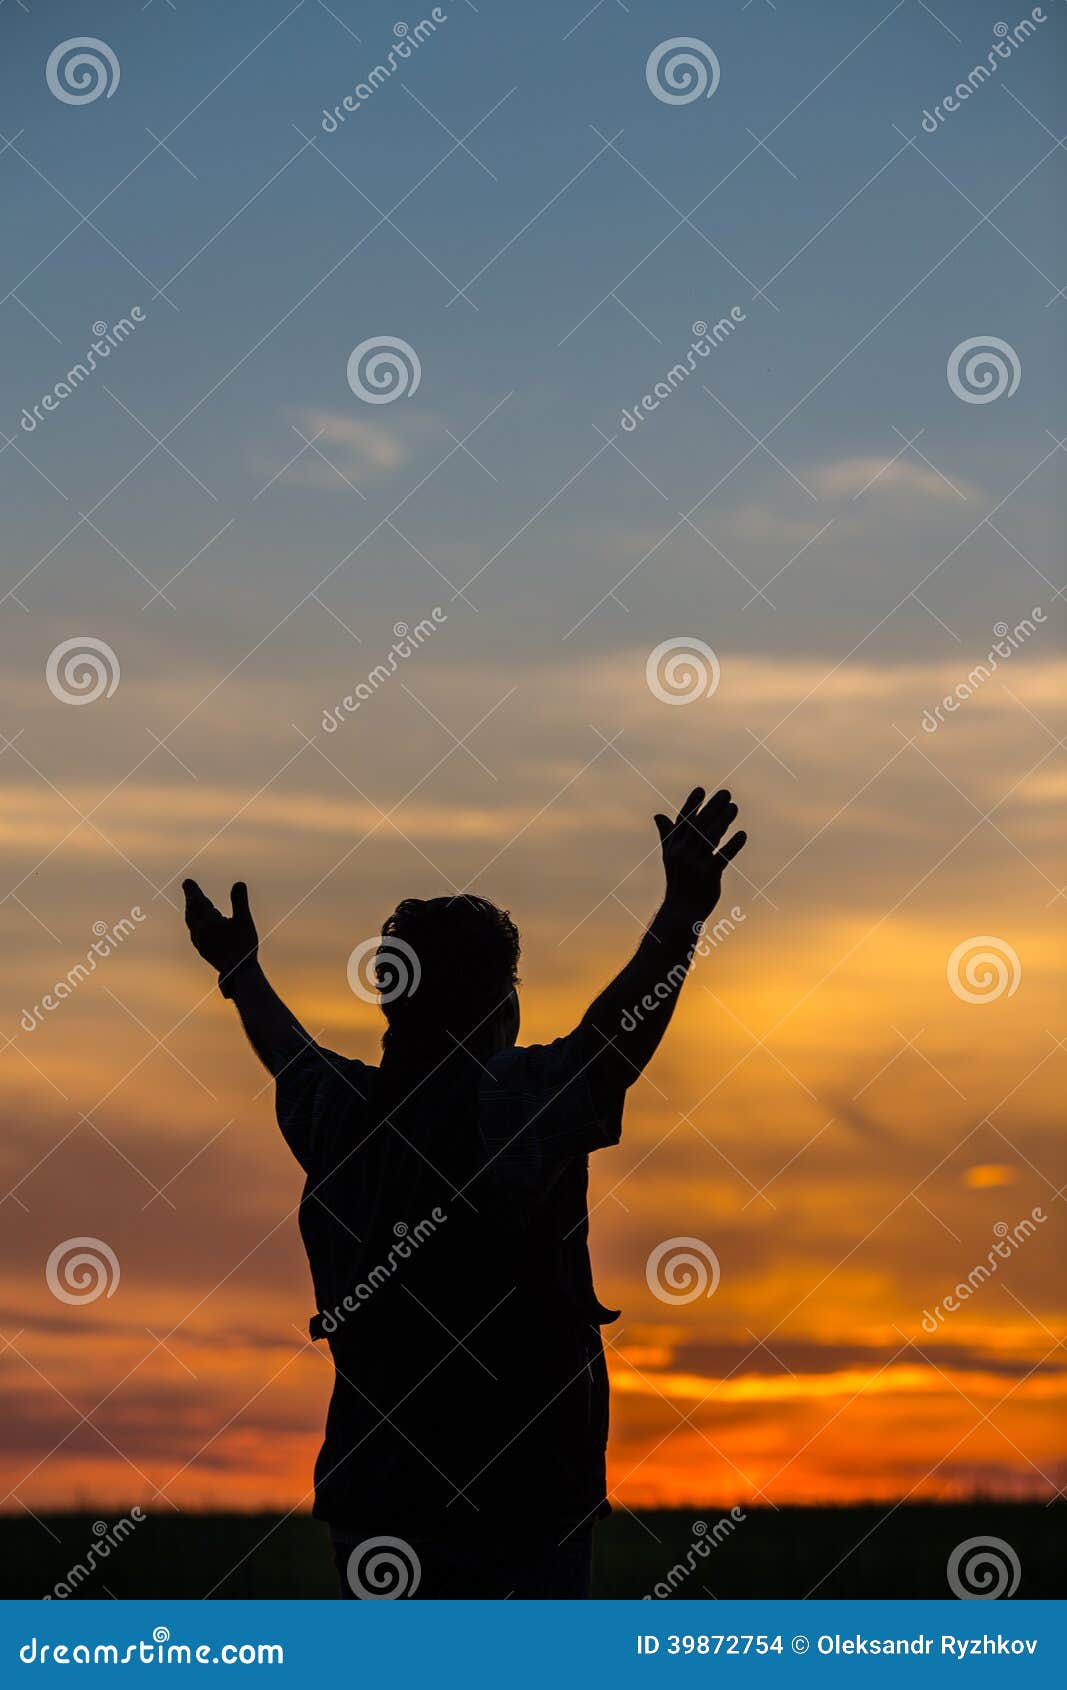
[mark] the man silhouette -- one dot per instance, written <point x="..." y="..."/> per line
<point x="446" y="1222"/>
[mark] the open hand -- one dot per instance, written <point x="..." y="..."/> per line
<point x="693" y="859"/>
<point x="225" y="941"/>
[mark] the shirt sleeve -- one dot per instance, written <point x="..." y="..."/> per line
<point x="543" y="1105"/>
<point x="314" y="1093"/>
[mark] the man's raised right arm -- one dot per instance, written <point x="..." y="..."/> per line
<point x="625" y="1024"/>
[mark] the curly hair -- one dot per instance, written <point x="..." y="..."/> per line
<point x="451" y="964"/>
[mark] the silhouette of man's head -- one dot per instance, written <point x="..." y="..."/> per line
<point x="447" y="969"/>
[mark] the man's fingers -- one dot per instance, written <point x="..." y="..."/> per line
<point x="692" y="804"/>
<point x="664" y="826"/>
<point x="197" y="903"/>
<point x="715" y="804"/>
<point x="714" y="825"/>
<point x="733" y="845"/>
<point x="239" y="900"/>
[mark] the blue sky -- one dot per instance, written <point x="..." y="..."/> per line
<point x="834" y="129"/>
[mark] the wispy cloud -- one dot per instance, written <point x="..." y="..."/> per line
<point x="356" y="440"/>
<point x="331" y="448"/>
<point x="854" y="477"/>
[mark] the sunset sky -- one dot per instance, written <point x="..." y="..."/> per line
<point x="848" y="1133"/>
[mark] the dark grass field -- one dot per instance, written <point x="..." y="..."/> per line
<point x="825" y="1552"/>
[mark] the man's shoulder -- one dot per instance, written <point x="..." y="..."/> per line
<point x="533" y="1069"/>
<point x="320" y="1079"/>
<point x="345" y="1064"/>
<point x="516" y="1060"/>
<point x="352" y="1079"/>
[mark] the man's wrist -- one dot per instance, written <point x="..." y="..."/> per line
<point x="678" y="911"/>
<point x="231" y="979"/>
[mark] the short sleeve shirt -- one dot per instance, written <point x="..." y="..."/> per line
<point x="446" y="1225"/>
